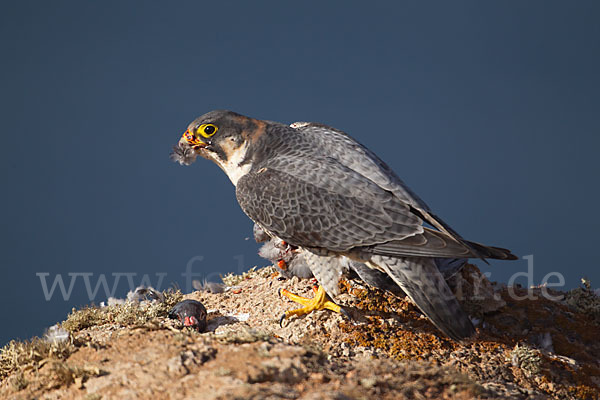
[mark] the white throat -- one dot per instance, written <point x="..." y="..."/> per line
<point x="232" y="166"/>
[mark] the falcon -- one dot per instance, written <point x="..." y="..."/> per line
<point x="320" y="191"/>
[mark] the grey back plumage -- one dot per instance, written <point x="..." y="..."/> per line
<point x="357" y="157"/>
<point x="362" y="160"/>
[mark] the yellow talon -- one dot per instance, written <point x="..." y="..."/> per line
<point x="319" y="302"/>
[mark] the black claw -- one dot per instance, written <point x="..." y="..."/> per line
<point x="279" y="292"/>
<point x="345" y="313"/>
<point x="281" y="320"/>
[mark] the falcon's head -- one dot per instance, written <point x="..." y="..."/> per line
<point x="223" y="137"/>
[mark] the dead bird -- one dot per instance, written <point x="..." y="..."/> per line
<point x="190" y="313"/>
<point x="291" y="263"/>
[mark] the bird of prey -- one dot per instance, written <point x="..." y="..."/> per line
<point x="318" y="189"/>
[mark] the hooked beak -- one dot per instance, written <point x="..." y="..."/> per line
<point x="191" y="140"/>
<point x="187" y="148"/>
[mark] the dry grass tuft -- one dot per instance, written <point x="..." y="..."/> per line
<point x="18" y="381"/>
<point x="18" y="356"/>
<point x="232" y="279"/>
<point x="131" y="314"/>
<point x="31" y="354"/>
<point x="63" y="374"/>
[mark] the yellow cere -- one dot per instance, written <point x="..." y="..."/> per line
<point x="207" y="130"/>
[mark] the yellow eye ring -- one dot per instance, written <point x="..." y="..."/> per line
<point x="207" y="130"/>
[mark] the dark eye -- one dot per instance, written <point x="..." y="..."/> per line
<point x="207" y="130"/>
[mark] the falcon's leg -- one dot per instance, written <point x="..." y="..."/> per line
<point x="319" y="302"/>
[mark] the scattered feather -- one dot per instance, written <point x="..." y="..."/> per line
<point x="142" y="293"/>
<point x="56" y="334"/>
<point x="209" y="287"/>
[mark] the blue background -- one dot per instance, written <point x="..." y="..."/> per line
<point x="488" y="110"/>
